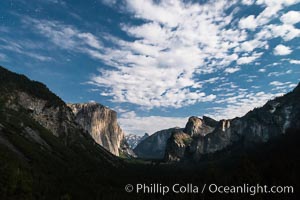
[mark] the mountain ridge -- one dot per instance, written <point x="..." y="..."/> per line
<point x="133" y="139"/>
<point x="42" y="147"/>
<point x="258" y="125"/>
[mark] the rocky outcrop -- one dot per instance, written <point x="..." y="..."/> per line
<point x="196" y="126"/>
<point x="154" y="146"/>
<point x="58" y="119"/>
<point x="217" y="140"/>
<point x="101" y="123"/>
<point x="176" y="145"/>
<point x="133" y="140"/>
<point x="180" y="141"/>
<point x="257" y="126"/>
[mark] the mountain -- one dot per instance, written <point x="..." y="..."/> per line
<point x="101" y="123"/>
<point x="196" y="126"/>
<point x="133" y="140"/>
<point x="154" y="146"/>
<point x="44" y="153"/>
<point x="257" y="126"/>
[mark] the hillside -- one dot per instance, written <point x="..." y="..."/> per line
<point x="44" y="154"/>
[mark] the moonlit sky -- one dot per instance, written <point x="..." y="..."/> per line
<point x="156" y="62"/>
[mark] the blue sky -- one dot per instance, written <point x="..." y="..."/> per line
<point x="156" y="62"/>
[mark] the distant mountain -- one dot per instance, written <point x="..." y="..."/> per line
<point x="133" y="140"/>
<point x="43" y="151"/>
<point x="154" y="146"/>
<point x="257" y="126"/>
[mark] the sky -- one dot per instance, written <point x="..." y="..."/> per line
<point x="156" y="62"/>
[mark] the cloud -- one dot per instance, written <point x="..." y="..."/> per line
<point x="292" y="17"/>
<point x="286" y="31"/>
<point x="278" y="2"/>
<point x="282" y="50"/>
<point x="3" y="57"/>
<point x="131" y="123"/>
<point x="282" y="86"/>
<point x="167" y="12"/>
<point x="232" y="70"/>
<point x="238" y="101"/>
<point x="296" y="62"/>
<point x="248" y="2"/>
<point x="65" y="36"/>
<point x="109" y="2"/>
<point x="262" y="70"/>
<point x="167" y="49"/>
<point x="171" y="48"/>
<point x="240" y="104"/>
<point x="90" y="40"/>
<point x="60" y="2"/>
<point x="271" y="10"/>
<point x="278" y="83"/>
<point x="213" y="80"/>
<point x="280" y="73"/>
<point x="247" y="59"/>
<point x="21" y="47"/>
<point x="248" y="22"/>
<point x="249" y="46"/>
<point x="173" y="45"/>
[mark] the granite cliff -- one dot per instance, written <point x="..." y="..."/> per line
<point x="180" y="140"/>
<point x="101" y="123"/>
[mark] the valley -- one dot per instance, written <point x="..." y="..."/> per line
<point x="49" y="151"/>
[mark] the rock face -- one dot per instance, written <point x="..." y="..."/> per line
<point x="181" y="140"/>
<point x="18" y="93"/>
<point x="133" y="140"/>
<point x="209" y="121"/>
<point x="58" y="119"/>
<point x="101" y="123"/>
<point x="154" y="146"/>
<point x="176" y="145"/>
<point x="196" y="126"/>
<point x="258" y="125"/>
